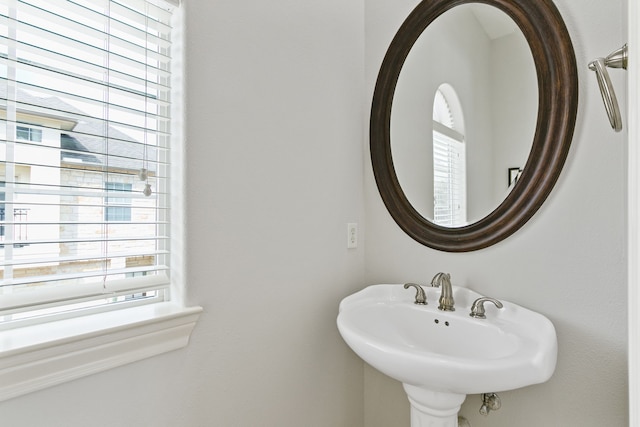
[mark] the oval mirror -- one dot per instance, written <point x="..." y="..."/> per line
<point x="472" y="118"/>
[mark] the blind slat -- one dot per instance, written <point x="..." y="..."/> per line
<point x="130" y="100"/>
<point x="102" y="274"/>
<point x="80" y="257"/>
<point x="57" y="294"/>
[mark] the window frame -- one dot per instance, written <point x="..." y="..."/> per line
<point x="121" y="212"/>
<point x="37" y="356"/>
<point x="33" y="134"/>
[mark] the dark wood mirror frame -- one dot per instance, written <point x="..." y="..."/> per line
<point x="556" y="69"/>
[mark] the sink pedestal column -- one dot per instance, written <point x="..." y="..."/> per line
<point x="432" y="408"/>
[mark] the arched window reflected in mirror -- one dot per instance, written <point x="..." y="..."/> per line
<point x="449" y="160"/>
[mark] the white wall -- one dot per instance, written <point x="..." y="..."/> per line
<point x="568" y="262"/>
<point x="274" y="111"/>
<point x="514" y="103"/>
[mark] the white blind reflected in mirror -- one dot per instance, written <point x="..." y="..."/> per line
<point x="449" y="166"/>
<point x="449" y="180"/>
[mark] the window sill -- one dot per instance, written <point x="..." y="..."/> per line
<point x="36" y="357"/>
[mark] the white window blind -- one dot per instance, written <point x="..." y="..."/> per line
<point x="449" y="177"/>
<point x="449" y="166"/>
<point x="93" y="77"/>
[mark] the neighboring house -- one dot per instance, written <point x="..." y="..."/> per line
<point x="59" y="212"/>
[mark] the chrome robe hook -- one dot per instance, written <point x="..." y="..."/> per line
<point x="616" y="59"/>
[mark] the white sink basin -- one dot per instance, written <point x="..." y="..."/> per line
<point x="448" y="352"/>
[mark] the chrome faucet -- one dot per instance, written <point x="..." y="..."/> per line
<point x="446" y="296"/>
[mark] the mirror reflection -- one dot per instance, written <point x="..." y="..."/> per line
<point x="464" y="114"/>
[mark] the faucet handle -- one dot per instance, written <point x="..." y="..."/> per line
<point x="477" y="308"/>
<point x="421" y="298"/>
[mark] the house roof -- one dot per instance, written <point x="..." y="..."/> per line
<point x="83" y="139"/>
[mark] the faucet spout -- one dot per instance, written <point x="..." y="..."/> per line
<point x="446" y="301"/>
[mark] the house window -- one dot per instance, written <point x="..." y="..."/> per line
<point x="99" y="73"/>
<point x="28" y="134"/>
<point x="20" y="221"/>
<point x="117" y="208"/>
<point x="449" y="160"/>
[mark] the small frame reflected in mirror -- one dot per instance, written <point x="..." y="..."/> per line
<point x="514" y="174"/>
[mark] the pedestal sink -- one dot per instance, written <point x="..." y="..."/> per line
<point x="439" y="356"/>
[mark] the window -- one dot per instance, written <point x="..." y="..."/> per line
<point x="2" y="209"/>
<point x="95" y="79"/>
<point x="28" y="134"/>
<point x="19" y="222"/>
<point x="97" y="74"/>
<point x="117" y="208"/>
<point x="449" y="160"/>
